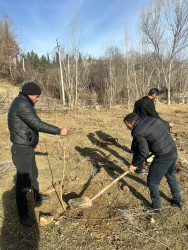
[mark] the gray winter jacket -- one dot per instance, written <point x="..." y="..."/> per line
<point x="152" y="135"/>
<point x="24" y="124"/>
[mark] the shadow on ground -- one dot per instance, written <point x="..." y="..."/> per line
<point x="100" y="160"/>
<point x="13" y="235"/>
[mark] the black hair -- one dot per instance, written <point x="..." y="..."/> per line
<point x="131" y="117"/>
<point x="154" y="91"/>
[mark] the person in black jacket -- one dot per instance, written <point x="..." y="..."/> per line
<point x="152" y="135"/>
<point x="24" y="126"/>
<point x="146" y="107"/>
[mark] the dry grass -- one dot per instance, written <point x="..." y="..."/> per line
<point x="96" y="152"/>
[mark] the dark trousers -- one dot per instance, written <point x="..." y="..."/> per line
<point x="27" y="173"/>
<point x="159" y="168"/>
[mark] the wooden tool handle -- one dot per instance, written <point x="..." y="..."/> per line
<point x="117" y="179"/>
<point x="107" y="187"/>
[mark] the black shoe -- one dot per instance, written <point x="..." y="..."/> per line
<point x="141" y="171"/>
<point x="41" y="197"/>
<point x="176" y="203"/>
<point x="27" y="221"/>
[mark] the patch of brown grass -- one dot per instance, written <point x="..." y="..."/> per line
<point x="97" y="150"/>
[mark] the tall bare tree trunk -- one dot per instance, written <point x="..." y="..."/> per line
<point x="76" y="77"/>
<point x="61" y="75"/>
<point x="169" y="82"/>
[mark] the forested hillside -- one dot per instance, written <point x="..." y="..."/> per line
<point x="122" y="75"/>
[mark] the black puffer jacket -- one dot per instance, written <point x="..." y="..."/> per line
<point x="145" y="107"/>
<point x="24" y="124"/>
<point x="151" y="135"/>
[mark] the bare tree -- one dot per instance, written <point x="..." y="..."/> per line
<point x="164" y="25"/>
<point x="9" y="48"/>
<point x="61" y="75"/>
<point x="75" y="33"/>
<point x="182" y="81"/>
<point x="127" y="62"/>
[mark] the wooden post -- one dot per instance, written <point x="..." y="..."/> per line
<point x="23" y="63"/>
<point x="61" y="75"/>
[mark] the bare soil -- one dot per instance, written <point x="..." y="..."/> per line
<point x="96" y="151"/>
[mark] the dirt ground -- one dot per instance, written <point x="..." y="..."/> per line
<point x="96" y="151"/>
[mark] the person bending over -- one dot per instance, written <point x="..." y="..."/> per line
<point x="152" y="135"/>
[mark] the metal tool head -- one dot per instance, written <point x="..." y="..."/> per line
<point x="83" y="202"/>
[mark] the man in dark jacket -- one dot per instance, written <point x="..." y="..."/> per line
<point x="24" y="126"/>
<point x="146" y="107"/>
<point x="152" y="135"/>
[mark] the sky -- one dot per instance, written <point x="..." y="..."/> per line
<point x="100" y="23"/>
